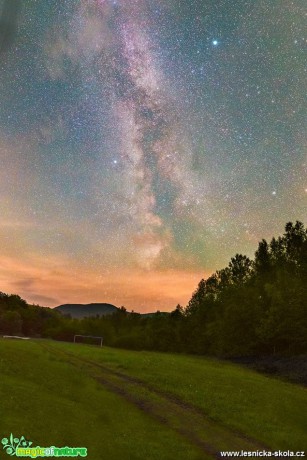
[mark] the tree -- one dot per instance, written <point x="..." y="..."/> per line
<point x="240" y="269"/>
<point x="262" y="261"/>
<point x="197" y="297"/>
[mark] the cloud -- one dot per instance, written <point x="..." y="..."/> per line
<point x="44" y="300"/>
<point x="36" y="277"/>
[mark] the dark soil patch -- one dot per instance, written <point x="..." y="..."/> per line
<point x="293" y="369"/>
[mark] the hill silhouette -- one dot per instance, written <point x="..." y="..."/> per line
<point x="87" y="310"/>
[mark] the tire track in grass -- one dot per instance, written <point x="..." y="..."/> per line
<point x="184" y="418"/>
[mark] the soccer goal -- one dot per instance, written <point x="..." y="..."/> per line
<point x="89" y="339"/>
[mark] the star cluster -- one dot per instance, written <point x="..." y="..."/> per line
<point x="145" y="142"/>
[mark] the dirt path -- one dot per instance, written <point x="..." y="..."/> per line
<point x="185" y="419"/>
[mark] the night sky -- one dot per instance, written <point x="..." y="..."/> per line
<point x="143" y="143"/>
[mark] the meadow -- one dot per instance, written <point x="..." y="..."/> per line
<point x="143" y="405"/>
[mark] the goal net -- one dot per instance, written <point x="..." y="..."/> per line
<point x="88" y="339"/>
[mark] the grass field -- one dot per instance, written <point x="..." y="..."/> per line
<point x="141" y="405"/>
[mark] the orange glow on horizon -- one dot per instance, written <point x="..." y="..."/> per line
<point x="51" y="283"/>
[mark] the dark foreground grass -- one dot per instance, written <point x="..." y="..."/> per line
<point x="126" y="405"/>
<point x="269" y="410"/>
<point x="50" y="402"/>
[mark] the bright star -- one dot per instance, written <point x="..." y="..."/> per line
<point x="215" y="42"/>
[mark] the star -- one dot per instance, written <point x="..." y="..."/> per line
<point x="140" y="125"/>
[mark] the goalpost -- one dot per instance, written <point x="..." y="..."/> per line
<point x="90" y="337"/>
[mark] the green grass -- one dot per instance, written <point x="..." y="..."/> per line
<point x="52" y="403"/>
<point x="55" y="399"/>
<point x="270" y="410"/>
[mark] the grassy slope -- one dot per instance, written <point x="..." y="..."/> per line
<point x="52" y="403"/>
<point x="272" y="411"/>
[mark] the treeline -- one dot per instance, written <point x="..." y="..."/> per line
<point x="251" y="307"/>
<point x="255" y="307"/>
<point x="19" y="318"/>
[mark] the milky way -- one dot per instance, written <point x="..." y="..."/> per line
<point x="144" y="143"/>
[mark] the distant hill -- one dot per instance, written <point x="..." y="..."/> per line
<point x="82" y="311"/>
<point x="160" y="313"/>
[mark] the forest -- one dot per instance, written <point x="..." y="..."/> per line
<point x="249" y="308"/>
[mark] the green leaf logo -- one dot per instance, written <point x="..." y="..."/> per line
<point x="11" y="445"/>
